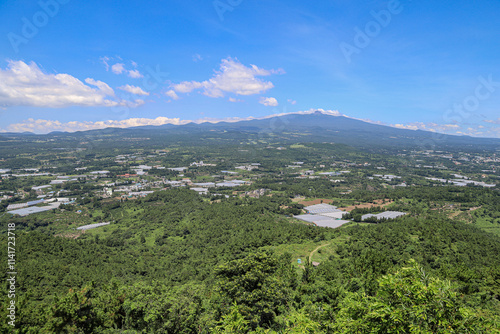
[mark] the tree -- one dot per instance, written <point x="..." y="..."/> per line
<point x="409" y="301"/>
<point x="233" y="323"/>
<point x="357" y="218"/>
<point x="260" y="284"/>
<point x="158" y="308"/>
<point x="86" y="311"/>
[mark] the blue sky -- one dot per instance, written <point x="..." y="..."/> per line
<point x="71" y="65"/>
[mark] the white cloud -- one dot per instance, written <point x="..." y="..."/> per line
<point x="118" y="68"/>
<point x="292" y="102"/>
<point x="135" y="74"/>
<point x="105" y="61"/>
<point x="474" y="130"/>
<point x="187" y="87"/>
<point x="133" y="90"/>
<point x="133" y="104"/>
<point x="232" y="99"/>
<point x="24" y="84"/>
<point x="268" y="101"/>
<point x="493" y="121"/>
<point x="46" y="126"/>
<point x="172" y="94"/>
<point x="197" y="58"/>
<point x="232" y="77"/>
<point x="101" y="85"/>
<point x="307" y="112"/>
<point x="427" y="126"/>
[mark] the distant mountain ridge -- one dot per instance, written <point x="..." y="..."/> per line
<point x="312" y="127"/>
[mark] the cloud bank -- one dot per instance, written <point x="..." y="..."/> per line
<point x="46" y="126"/>
<point x="24" y="84"/>
<point x="27" y="85"/>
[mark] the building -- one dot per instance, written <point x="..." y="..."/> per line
<point x="321" y="208"/>
<point x="140" y="193"/>
<point x="174" y="183"/>
<point x="384" y="215"/>
<point x="35" y="209"/>
<point x="16" y="206"/>
<point x="100" y="172"/>
<point x="331" y="173"/>
<point x="200" y="191"/>
<point x="204" y="184"/>
<point x="324" y="215"/>
<point x="322" y="221"/>
<point x="91" y="226"/>
<point x="178" y="169"/>
<point x="247" y="167"/>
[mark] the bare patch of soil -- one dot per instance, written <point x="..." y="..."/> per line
<point x="316" y="201"/>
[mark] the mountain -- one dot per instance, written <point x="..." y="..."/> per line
<point x="313" y="127"/>
<point x="320" y="127"/>
<point x="323" y="127"/>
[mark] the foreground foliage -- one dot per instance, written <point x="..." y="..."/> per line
<point x="172" y="263"/>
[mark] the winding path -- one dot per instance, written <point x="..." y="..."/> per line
<point x="314" y="251"/>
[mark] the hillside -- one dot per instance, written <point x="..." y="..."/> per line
<point x="314" y="127"/>
<point x="187" y="261"/>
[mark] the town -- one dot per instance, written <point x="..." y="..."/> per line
<point x="304" y="173"/>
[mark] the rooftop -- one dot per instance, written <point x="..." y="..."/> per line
<point x="322" y="220"/>
<point x="384" y="215"/>
<point x="321" y="208"/>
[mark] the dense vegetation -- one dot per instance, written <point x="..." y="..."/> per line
<point x="172" y="263"/>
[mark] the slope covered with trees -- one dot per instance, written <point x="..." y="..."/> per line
<point x="174" y="263"/>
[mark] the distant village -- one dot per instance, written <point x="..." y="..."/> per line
<point x="47" y="190"/>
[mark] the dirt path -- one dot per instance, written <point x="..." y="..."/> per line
<point x="314" y="251"/>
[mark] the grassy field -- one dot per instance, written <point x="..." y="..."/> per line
<point x="488" y="226"/>
<point x="468" y="217"/>
<point x="316" y="251"/>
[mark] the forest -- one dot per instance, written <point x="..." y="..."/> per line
<point x="174" y="263"/>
